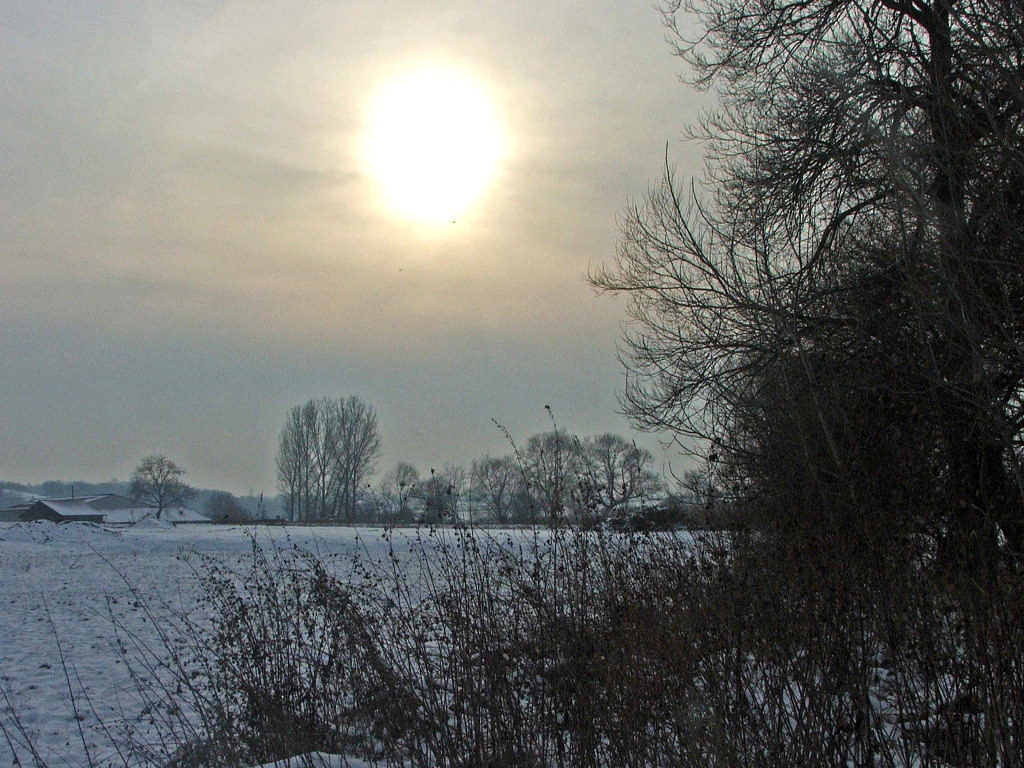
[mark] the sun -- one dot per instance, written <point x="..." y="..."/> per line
<point x="433" y="143"/>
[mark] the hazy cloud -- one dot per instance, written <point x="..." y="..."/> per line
<point x="190" y="242"/>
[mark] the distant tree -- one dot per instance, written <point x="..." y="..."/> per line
<point x="225" y="508"/>
<point x="295" y="461"/>
<point x="494" y="482"/>
<point x="157" y="481"/>
<point x="695" y="487"/>
<point x="397" y="490"/>
<point x="550" y="464"/>
<point x="326" y="451"/>
<point x="456" y="480"/>
<point x="617" y="472"/>
<point x="357" y="447"/>
<point x="442" y="494"/>
<point x="54" y="488"/>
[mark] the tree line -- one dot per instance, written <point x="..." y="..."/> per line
<point x="328" y="451"/>
<point x="555" y="478"/>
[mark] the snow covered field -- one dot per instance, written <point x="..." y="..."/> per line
<point x="65" y="586"/>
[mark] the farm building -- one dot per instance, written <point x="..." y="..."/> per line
<point x="107" y="508"/>
<point x="60" y="511"/>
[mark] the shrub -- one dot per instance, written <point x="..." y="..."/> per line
<point x="569" y="648"/>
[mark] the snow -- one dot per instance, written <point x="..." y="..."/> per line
<point x="317" y="760"/>
<point x="178" y="515"/>
<point x="138" y="514"/>
<point x="57" y="534"/>
<point x="152" y="522"/>
<point x="65" y="585"/>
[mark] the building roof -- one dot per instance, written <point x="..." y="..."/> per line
<point x="107" y="507"/>
<point x="97" y="501"/>
<point x="113" y="501"/>
<point x="70" y="508"/>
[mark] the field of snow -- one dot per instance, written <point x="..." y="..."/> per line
<point x="65" y="587"/>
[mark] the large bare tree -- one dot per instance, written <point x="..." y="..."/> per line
<point x="494" y="482"/>
<point x="397" y="490"/>
<point x="617" y="472"/>
<point x="326" y="451"/>
<point x="159" y="482"/>
<point x="848" y="302"/>
<point x="357" y="446"/>
<point x="550" y="470"/>
<point x="442" y="494"/>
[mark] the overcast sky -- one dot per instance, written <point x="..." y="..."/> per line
<point x="191" y="242"/>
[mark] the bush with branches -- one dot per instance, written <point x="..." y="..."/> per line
<point x="574" y="648"/>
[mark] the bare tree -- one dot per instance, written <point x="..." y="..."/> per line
<point x="299" y="473"/>
<point x="296" y="465"/>
<point x="398" y="489"/>
<point x="357" y="446"/>
<point x="442" y="494"/>
<point x="550" y="466"/>
<point x="326" y="451"/>
<point x="854" y="281"/>
<point x="617" y="472"/>
<point x="225" y="508"/>
<point x="456" y="481"/>
<point x="157" y="481"/>
<point x="494" y="483"/>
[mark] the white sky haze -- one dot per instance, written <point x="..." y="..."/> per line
<point x="192" y="240"/>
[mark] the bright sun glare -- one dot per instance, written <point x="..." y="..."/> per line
<point x="433" y="144"/>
